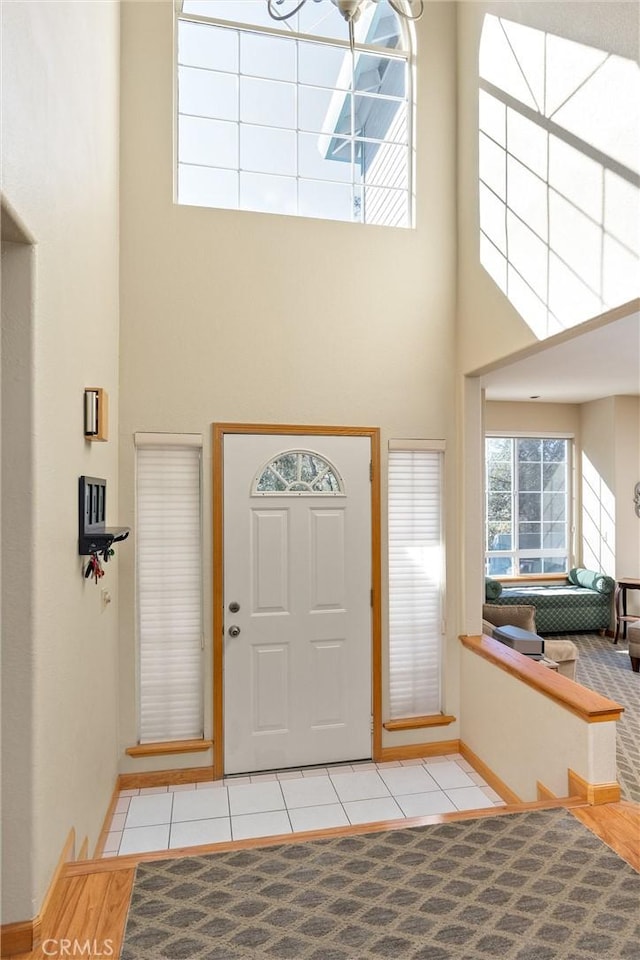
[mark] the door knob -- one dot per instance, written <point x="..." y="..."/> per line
<point x="234" y="631"/>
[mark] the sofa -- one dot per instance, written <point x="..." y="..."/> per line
<point x="564" y="652"/>
<point x="583" y="603"/>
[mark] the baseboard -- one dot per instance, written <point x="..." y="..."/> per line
<point x="414" y="751"/>
<point x="488" y="775"/>
<point x="544" y="793"/>
<point x="102" y="837"/>
<point x="163" y="778"/>
<point x="593" y="793"/>
<point x="18" y="937"/>
<point x="26" y="935"/>
<point x="51" y="899"/>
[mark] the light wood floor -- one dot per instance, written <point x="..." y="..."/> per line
<point x="93" y="905"/>
<point x="618" y="824"/>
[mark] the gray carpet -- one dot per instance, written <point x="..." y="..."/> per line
<point x="523" y="886"/>
<point x="607" y="669"/>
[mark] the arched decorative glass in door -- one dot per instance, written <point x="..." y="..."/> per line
<point x="300" y="473"/>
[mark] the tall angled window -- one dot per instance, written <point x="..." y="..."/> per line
<point x="416" y="578"/>
<point x="285" y="118"/>
<point x="559" y="172"/>
<point x="527" y="505"/>
<point x="169" y="587"/>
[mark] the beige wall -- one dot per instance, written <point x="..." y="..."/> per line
<point x="610" y="430"/>
<point x="60" y="174"/>
<point x="627" y="433"/>
<point x="17" y="530"/>
<point x="532" y="417"/>
<point x="240" y="316"/>
<point x="597" y="548"/>
<point x="489" y="326"/>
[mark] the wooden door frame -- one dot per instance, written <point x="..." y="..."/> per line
<point x="219" y="431"/>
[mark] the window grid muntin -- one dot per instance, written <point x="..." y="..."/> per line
<point x="359" y="191"/>
<point x="297" y="83"/>
<point x="516" y="554"/>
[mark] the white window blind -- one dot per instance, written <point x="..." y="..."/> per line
<point x="169" y="580"/>
<point x="416" y="566"/>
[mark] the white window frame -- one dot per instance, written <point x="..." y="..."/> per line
<point x="155" y="726"/>
<point x="405" y="53"/>
<point x="516" y="551"/>
<point x="412" y="693"/>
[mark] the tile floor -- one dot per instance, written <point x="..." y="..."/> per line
<point x="265" y="804"/>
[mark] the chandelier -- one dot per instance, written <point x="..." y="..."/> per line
<point x="351" y="10"/>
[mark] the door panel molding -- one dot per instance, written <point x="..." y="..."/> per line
<point x="219" y="431"/>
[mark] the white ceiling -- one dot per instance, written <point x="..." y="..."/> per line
<point x="598" y="359"/>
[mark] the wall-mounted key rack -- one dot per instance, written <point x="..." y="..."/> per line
<point x="93" y="534"/>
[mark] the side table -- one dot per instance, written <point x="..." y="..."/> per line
<point x="620" y="604"/>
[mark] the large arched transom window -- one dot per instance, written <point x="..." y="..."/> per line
<point x="284" y="118"/>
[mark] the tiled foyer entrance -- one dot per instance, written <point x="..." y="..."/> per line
<point x="292" y="801"/>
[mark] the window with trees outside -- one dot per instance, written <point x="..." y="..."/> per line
<point x="527" y="505"/>
<point x="283" y="117"/>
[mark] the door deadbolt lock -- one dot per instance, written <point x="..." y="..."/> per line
<point x="234" y="631"/>
<point x="234" y="606"/>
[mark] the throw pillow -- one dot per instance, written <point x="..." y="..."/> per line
<point x="518" y="615"/>
<point x="492" y="589"/>
<point x="591" y="580"/>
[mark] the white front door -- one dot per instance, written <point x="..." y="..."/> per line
<point x="297" y="600"/>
